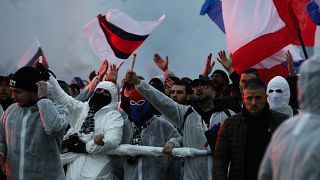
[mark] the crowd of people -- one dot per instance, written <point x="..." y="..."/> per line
<point x="50" y="129"/>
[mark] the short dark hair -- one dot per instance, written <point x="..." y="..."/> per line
<point x="254" y="83"/>
<point x="174" y="78"/>
<point x="251" y="71"/>
<point x="187" y="80"/>
<point x="185" y="84"/>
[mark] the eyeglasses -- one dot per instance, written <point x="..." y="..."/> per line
<point x="277" y="90"/>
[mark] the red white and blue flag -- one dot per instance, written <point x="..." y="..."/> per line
<point x="259" y="32"/>
<point x="32" y="56"/>
<point x="116" y="35"/>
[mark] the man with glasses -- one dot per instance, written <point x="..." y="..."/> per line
<point x="243" y="138"/>
<point x="194" y="124"/>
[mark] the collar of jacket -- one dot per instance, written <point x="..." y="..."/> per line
<point x="264" y="113"/>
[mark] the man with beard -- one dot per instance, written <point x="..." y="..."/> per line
<point x="86" y="159"/>
<point x="31" y="130"/>
<point x="5" y="94"/>
<point x="181" y="92"/>
<point x="243" y="138"/>
<point x="201" y="118"/>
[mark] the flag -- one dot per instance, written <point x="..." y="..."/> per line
<point x="213" y="8"/>
<point x="313" y="10"/>
<point x="32" y="56"/>
<point x="274" y="63"/>
<point x="307" y="27"/>
<point x="116" y="35"/>
<point x="259" y="33"/>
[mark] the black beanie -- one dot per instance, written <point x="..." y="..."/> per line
<point x="25" y="78"/>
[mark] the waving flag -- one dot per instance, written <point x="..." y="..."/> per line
<point x="313" y="10"/>
<point x="115" y="36"/>
<point x="214" y="10"/>
<point x="32" y="56"/>
<point x="249" y="28"/>
<point x="259" y="33"/>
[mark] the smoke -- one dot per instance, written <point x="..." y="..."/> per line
<point x="185" y="36"/>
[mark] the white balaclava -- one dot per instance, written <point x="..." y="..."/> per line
<point x="278" y="92"/>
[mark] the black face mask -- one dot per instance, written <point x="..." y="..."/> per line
<point x="98" y="101"/>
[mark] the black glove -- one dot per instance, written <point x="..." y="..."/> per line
<point x="44" y="72"/>
<point x="74" y="144"/>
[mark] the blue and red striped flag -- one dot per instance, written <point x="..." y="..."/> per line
<point x="116" y="35"/>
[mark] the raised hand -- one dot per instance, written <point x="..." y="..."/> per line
<point x="103" y="69"/>
<point x="291" y="68"/>
<point x="225" y="61"/>
<point x="113" y="73"/>
<point x="131" y="78"/>
<point x="209" y="66"/>
<point x="92" y="75"/>
<point x="42" y="89"/>
<point x="162" y="64"/>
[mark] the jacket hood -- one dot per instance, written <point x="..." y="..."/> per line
<point x="107" y="85"/>
<point x="309" y="84"/>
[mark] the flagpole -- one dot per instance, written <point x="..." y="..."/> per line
<point x="37" y="41"/>
<point x="298" y="29"/>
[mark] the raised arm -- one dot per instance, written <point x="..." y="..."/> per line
<point x="54" y="120"/>
<point x="209" y="66"/>
<point x="160" y="101"/>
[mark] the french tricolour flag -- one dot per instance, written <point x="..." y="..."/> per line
<point x="259" y="32"/>
<point x="116" y="35"/>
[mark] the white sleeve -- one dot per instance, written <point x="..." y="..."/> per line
<point x="112" y="134"/>
<point x="54" y="119"/>
<point x="59" y="97"/>
<point x="165" y="105"/>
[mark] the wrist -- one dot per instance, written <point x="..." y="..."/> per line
<point x="230" y="70"/>
<point x="42" y="97"/>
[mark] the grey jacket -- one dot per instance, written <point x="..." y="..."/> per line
<point x="30" y="140"/>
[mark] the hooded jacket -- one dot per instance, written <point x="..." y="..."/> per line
<point x="30" y="140"/>
<point x="293" y="152"/>
<point x="94" y="164"/>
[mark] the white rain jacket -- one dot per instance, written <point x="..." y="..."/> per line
<point x="149" y="167"/>
<point x="95" y="164"/>
<point x="279" y="101"/>
<point x="30" y="139"/>
<point x="195" y="168"/>
<point x="293" y="152"/>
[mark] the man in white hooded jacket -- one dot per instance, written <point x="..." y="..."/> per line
<point x="293" y="152"/>
<point x="85" y="159"/>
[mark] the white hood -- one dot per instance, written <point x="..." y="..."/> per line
<point x="279" y="101"/>
<point x="309" y="85"/>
